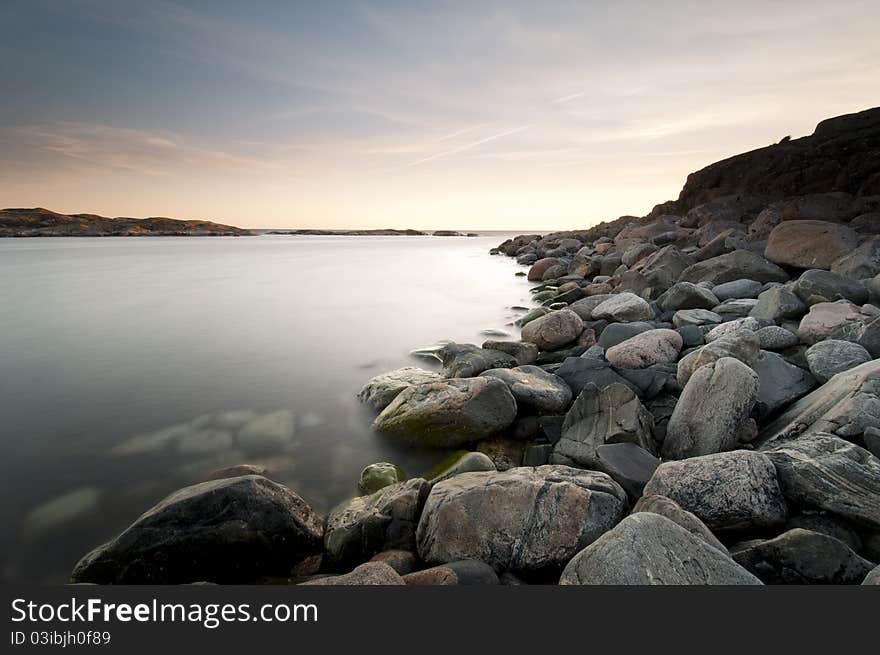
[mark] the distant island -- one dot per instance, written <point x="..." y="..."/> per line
<point x="39" y="222"/>
<point x="373" y="233"/>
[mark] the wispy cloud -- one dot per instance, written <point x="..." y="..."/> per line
<point x="468" y="146"/>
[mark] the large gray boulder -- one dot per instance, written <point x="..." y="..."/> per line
<point x="386" y="520"/>
<point x="624" y="308"/>
<point x="863" y="262"/>
<point x="379" y="391"/>
<point x="654" y="274"/>
<point x="449" y="413"/>
<point x="816" y="286"/>
<point x="742" y="288"/>
<point x="810" y="244"/>
<point x="737" y="490"/>
<point x="741" y="345"/>
<point x="686" y="295"/>
<point x="732" y="266"/>
<point x="846" y="406"/>
<point x="646" y="349"/>
<point x="522" y="520"/>
<point x="535" y="388"/>
<point x="825" y="472"/>
<point x="777" y="304"/>
<point x="649" y="549"/>
<point x="674" y="512"/>
<point x="553" y="330"/>
<point x="832" y="356"/>
<point x="613" y="414"/>
<point x="465" y="360"/>
<point x="233" y="530"/>
<point x="780" y="382"/>
<point x="801" y="556"/>
<point x="713" y="410"/>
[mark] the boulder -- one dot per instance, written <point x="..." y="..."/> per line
<point x="735" y="309"/>
<point x="830" y="357"/>
<point x="629" y="465"/>
<point x="585" y="306"/>
<point x="637" y="252"/>
<point x="649" y="549"/>
<point x="228" y="531"/>
<point x="802" y="557"/>
<point x="673" y="511"/>
<point x="536" y="272"/>
<point x="810" y="244"/>
<point x="821" y="471"/>
<point x="780" y="382"/>
<point x="655" y="273"/>
<point x="873" y="577"/>
<point x="736" y="490"/>
<point x="846" y="405"/>
<point x="695" y="317"/>
<point x="816" y="286"/>
<point x="465" y="360"/>
<point x="624" y="308"/>
<point x="777" y="304"/>
<point x="616" y="333"/>
<point x="735" y="289"/>
<point x="863" y="262"/>
<point x="825" y="317"/>
<point x="610" y="415"/>
<point x="734" y="265"/>
<point x="553" y="330"/>
<point x="378" y="476"/>
<point x="741" y="345"/>
<point x="370" y="573"/>
<point x="645" y="349"/>
<point x="578" y="372"/>
<point x="402" y="561"/>
<point x="746" y="323"/>
<point x="363" y="526"/>
<point x="523" y="352"/>
<point x="449" y="413"/>
<point x="686" y="295"/>
<point x="533" y="387"/>
<point x="774" y="337"/>
<point x="867" y="335"/>
<point x="382" y="389"/>
<point x="713" y="410"/>
<point x="522" y="520"/>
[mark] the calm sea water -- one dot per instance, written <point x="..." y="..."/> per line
<point x="131" y="367"/>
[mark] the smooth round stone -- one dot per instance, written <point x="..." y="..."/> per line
<point x="378" y="476"/>
<point x="645" y="349"/>
<point x="737" y="289"/>
<point x="828" y="358"/>
<point x="774" y="337"/>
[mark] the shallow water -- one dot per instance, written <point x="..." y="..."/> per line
<point x="133" y="366"/>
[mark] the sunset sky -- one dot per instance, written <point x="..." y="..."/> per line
<point x="468" y="115"/>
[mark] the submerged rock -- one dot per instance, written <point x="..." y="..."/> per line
<point x="227" y="531"/>
<point x="649" y="549"/>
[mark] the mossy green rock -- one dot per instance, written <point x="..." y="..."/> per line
<point x="449" y="413"/>
<point x="378" y="476"/>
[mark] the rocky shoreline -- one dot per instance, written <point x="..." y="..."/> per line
<point x="695" y="399"/>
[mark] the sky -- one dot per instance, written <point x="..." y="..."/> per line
<point x="474" y="115"/>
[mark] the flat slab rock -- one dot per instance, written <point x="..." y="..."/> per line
<point x="649" y="549"/>
<point x="825" y="472"/>
<point x="524" y="519"/>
